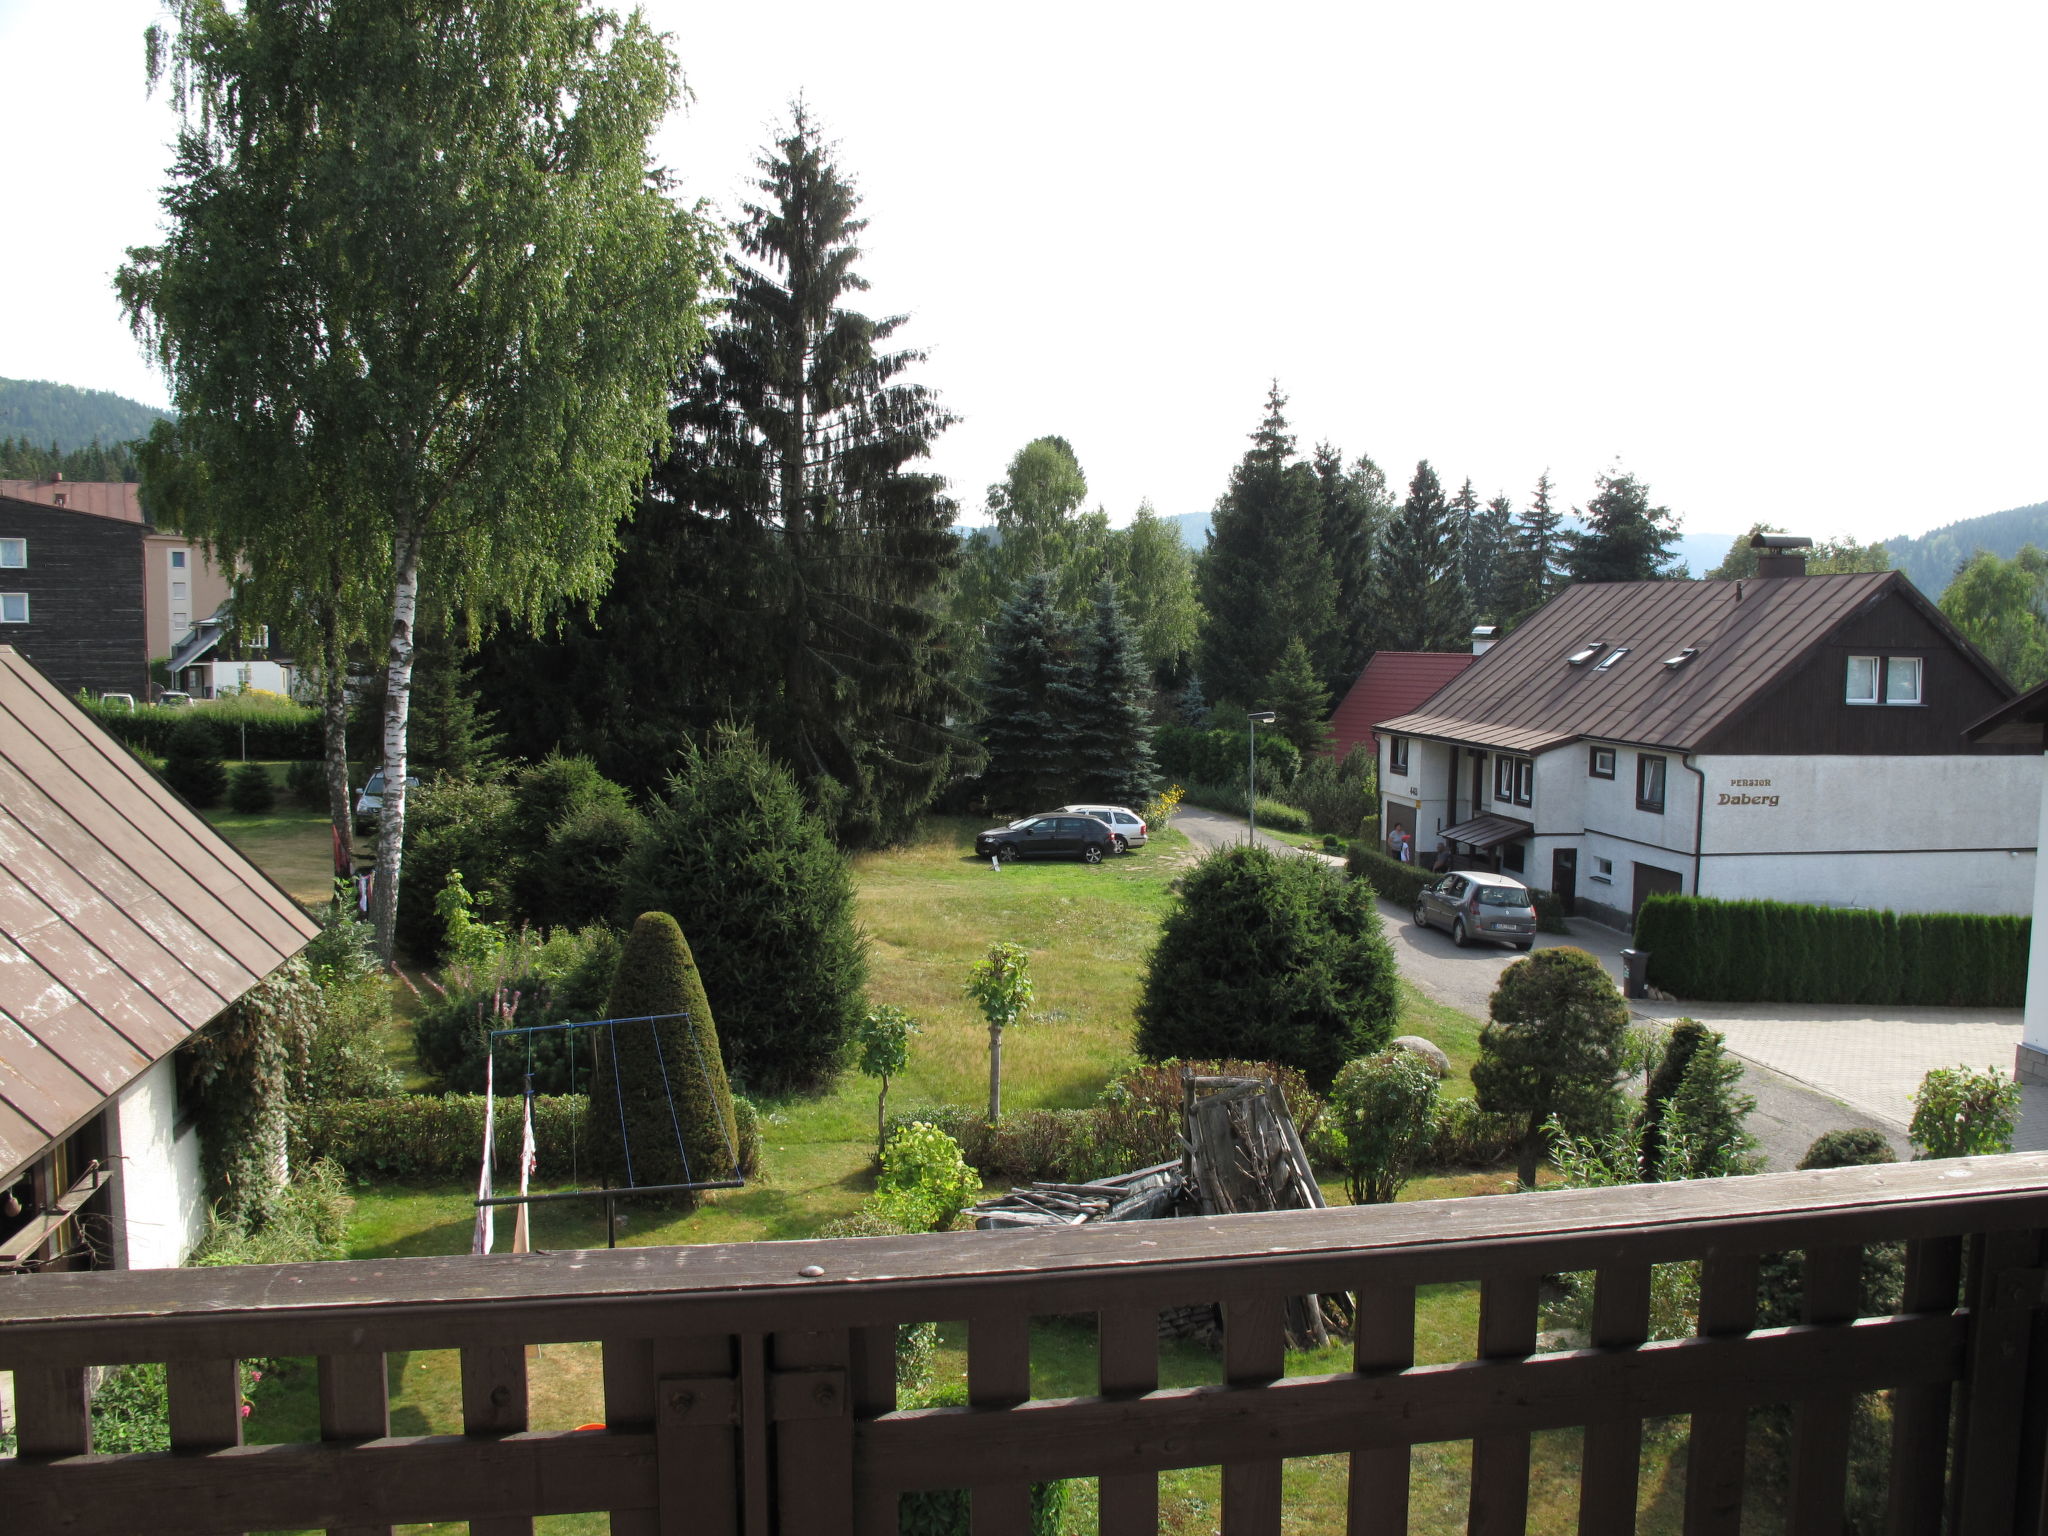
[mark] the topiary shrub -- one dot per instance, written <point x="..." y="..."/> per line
<point x="1858" y="1147"/>
<point x="663" y="1081"/>
<point x="192" y="764"/>
<point x="250" y="790"/>
<point x="1269" y="956"/>
<point x="751" y="873"/>
<point x="1555" y="1047"/>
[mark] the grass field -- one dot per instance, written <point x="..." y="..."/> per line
<point x="290" y="843"/>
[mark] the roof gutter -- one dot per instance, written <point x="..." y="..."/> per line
<point x="1699" y="820"/>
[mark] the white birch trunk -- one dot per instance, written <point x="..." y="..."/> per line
<point x="334" y="717"/>
<point x="405" y="595"/>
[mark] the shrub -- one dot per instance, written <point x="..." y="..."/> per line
<point x="306" y="1221"/>
<point x="567" y="840"/>
<point x="273" y="727"/>
<point x="345" y="1058"/>
<point x="1274" y="815"/>
<point x="306" y="782"/>
<point x="1270" y="956"/>
<point x="746" y="1121"/>
<point x="1958" y="1112"/>
<point x="192" y="764"/>
<point x="1554" y="1047"/>
<point x="661" y="1109"/>
<point x="532" y="979"/>
<point x="1858" y="1147"/>
<point x="1462" y="1135"/>
<point x="250" y="790"/>
<point x="1158" y="811"/>
<point x="736" y="856"/>
<point x="925" y="1182"/>
<point x="427" y="1136"/>
<point x="450" y="825"/>
<point x="1402" y="884"/>
<point x="1383" y="1107"/>
<point x="881" y="1050"/>
<point x="1338" y="794"/>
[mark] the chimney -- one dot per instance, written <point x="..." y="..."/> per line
<point x="1483" y="637"/>
<point x="1779" y="554"/>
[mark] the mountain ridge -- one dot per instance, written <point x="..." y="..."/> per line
<point x="43" y="412"/>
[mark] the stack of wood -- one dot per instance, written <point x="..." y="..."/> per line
<point x="1128" y="1197"/>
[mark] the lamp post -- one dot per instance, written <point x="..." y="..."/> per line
<point x="1255" y="719"/>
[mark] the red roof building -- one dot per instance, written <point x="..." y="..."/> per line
<point x="1393" y="683"/>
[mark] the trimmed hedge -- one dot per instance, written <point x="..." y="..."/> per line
<point x="275" y="732"/>
<point x="1402" y="884"/>
<point x="1274" y="815"/>
<point x="1787" y="952"/>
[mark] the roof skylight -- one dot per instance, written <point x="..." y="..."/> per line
<point x="1675" y="662"/>
<point x="1586" y="653"/>
<point x="1613" y="656"/>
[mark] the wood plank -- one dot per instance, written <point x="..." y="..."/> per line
<point x="52" y="1415"/>
<point x="1611" y="1469"/>
<point x="1830" y="1286"/>
<point x="695" y="1437"/>
<point x="205" y="1402"/>
<point x="298" y="1487"/>
<point x="1717" y="1448"/>
<point x="1383" y="1344"/>
<point x="998" y="1377"/>
<point x="1500" y="1462"/>
<point x="629" y="1406"/>
<point x="755" y="1436"/>
<point x="873" y="1379"/>
<point x="494" y="1402"/>
<point x="1127" y="1346"/>
<point x="355" y="1406"/>
<point x="1254" y="1354"/>
<point x="813" y="1414"/>
<point x="1920" y="1415"/>
<point x="2001" y="1324"/>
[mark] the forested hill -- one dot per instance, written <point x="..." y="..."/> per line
<point x="1931" y="560"/>
<point x="43" y="413"/>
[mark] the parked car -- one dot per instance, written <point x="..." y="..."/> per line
<point x="1125" y="825"/>
<point x="1083" y="836"/>
<point x="1475" y="904"/>
<point x="370" y="803"/>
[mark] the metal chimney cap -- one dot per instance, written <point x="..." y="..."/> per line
<point x="1779" y="541"/>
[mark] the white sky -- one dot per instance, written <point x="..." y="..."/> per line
<point x="1783" y="261"/>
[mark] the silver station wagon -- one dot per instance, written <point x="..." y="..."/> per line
<point x="1475" y="905"/>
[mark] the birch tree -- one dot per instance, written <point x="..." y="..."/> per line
<point x="420" y="287"/>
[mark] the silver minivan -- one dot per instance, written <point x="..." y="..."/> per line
<point x="1475" y="904"/>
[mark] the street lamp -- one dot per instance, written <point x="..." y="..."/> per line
<point x="1257" y="718"/>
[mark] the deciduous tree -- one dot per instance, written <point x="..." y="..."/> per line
<point x="2002" y="607"/>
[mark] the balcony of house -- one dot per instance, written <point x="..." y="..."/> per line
<point x="752" y="1387"/>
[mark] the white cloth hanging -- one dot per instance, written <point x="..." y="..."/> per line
<point x="521" y="1236"/>
<point x="486" y="1226"/>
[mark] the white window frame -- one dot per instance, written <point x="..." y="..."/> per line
<point x="1643" y="772"/>
<point x="1525" y="781"/>
<point x="1598" y="756"/>
<point x="1894" y="666"/>
<point x="1849" y="693"/>
<point x="177" y="560"/>
<point x="1397" y="754"/>
<point x="19" y="549"/>
<point x="7" y="598"/>
<point x="1600" y="864"/>
<point x="1504" y="780"/>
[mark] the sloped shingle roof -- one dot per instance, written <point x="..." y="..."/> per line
<point x="1392" y="683"/>
<point x="1522" y="695"/>
<point x="126" y="923"/>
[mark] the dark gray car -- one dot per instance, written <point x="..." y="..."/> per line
<point x="1476" y="905"/>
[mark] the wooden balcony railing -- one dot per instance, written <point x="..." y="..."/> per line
<point x="751" y="1387"/>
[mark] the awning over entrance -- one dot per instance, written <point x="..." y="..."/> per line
<point x="1487" y="832"/>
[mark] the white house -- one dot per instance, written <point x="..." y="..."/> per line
<point x="1786" y="736"/>
<point x="126" y="925"/>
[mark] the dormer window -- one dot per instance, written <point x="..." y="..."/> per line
<point x="1585" y="653"/>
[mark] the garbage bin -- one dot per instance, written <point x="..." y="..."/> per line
<point x="1635" y="973"/>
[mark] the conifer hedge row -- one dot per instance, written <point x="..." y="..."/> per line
<point x="282" y="732"/>
<point x="1786" y="952"/>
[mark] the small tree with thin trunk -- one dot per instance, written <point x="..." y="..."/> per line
<point x="1001" y="986"/>
<point x="1556" y="1046"/>
<point x="1959" y="1112"/>
<point x="1383" y="1106"/>
<point x="881" y="1044"/>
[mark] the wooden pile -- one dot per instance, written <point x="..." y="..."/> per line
<point x="1136" y="1196"/>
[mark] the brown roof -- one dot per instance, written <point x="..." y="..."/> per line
<point x="1524" y="696"/>
<point x="118" y="499"/>
<point x="126" y="923"/>
<point x="1392" y="683"/>
<point x="2020" y="722"/>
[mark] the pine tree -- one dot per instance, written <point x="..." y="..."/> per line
<point x="1027" y="697"/>
<point x="660" y="1106"/>
<point x="1112" y="731"/>
<point x="1486" y="556"/>
<point x="1265" y="577"/>
<point x="1625" y="538"/>
<point x="1355" y="510"/>
<point x="1419" y="582"/>
<point x="786" y="565"/>
<point x="1535" y="553"/>
<point x="1295" y="694"/>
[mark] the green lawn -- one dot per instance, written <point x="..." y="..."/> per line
<point x="290" y="843"/>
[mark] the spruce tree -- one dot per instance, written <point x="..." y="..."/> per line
<point x="660" y="1106"/>
<point x="1296" y="695"/>
<point x="1419" y="577"/>
<point x="1112" y="727"/>
<point x="1265" y="576"/>
<point x="1624" y="538"/>
<point x="1486" y="557"/>
<point x="1355" y="510"/>
<point x="192" y="762"/>
<point x="1534" y="558"/>
<point x="1029" y="695"/>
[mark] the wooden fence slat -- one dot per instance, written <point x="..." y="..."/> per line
<point x="1612" y="1467"/>
<point x="696" y="1425"/>
<point x="1382" y="1343"/>
<point x="755" y="1447"/>
<point x="629" y="1405"/>
<point x="873" y="1379"/>
<point x="355" y="1404"/>
<point x="811" y="1405"/>
<point x="53" y="1416"/>
<point x="1920" y="1415"/>
<point x="2001" y="1324"/>
<point x="494" y="1402"/>
<point x="1127" y="1365"/>
<point x="1718" y="1440"/>
<point x="999" y="1376"/>
<point x="1254" y="1353"/>
<point x="1830" y="1283"/>
<point x="1500" y="1463"/>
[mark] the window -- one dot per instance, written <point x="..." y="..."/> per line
<point x="1525" y="781"/>
<point x="177" y="559"/>
<point x="1397" y="754"/>
<point x="1503" y="778"/>
<point x="1862" y="680"/>
<point x="1650" y="783"/>
<point x="177" y="591"/>
<point x="1603" y="871"/>
<point x="1511" y="858"/>
<point x="1600" y="762"/>
<point x="1902" y="680"/>
<point x="13" y="554"/>
<point x="181" y="625"/>
<point x="260" y="638"/>
<point x="1612" y="657"/>
<point x="13" y="607"/>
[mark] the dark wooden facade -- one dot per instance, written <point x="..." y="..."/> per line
<point x="84" y="584"/>
<point x="751" y="1388"/>
<point x="1805" y="712"/>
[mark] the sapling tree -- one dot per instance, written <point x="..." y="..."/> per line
<point x="1384" y="1106"/>
<point x="1960" y="1112"/>
<point x="1001" y="987"/>
<point x="881" y="1045"/>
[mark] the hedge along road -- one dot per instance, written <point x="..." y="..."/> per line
<point x="1789" y="1113"/>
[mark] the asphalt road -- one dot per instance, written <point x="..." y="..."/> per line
<point x="1788" y="1114"/>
